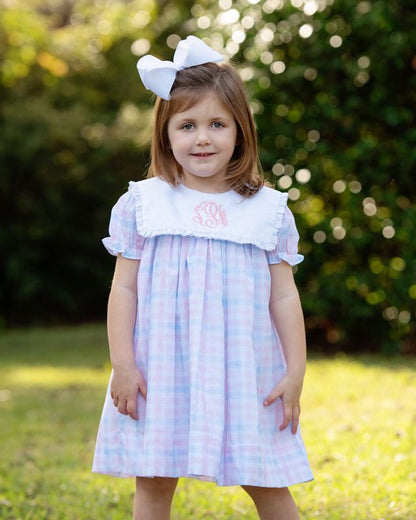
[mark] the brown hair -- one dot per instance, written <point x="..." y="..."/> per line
<point x="190" y="84"/>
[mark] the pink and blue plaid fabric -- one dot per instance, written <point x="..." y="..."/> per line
<point x="210" y="354"/>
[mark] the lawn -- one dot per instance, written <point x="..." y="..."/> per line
<point x="359" y="424"/>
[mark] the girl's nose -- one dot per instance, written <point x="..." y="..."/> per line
<point x="202" y="137"/>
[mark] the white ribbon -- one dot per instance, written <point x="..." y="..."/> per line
<point x="159" y="76"/>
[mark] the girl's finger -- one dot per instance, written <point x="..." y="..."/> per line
<point x="132" y="408"/>
<point x="271" y="398"/>
<point x="122" y="407"/>
<point x="295" y="419"/>
<point x="287" y="417"/>
<point x="143" y="388"/>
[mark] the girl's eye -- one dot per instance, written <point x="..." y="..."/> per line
<point x="187" y="126"/>
<point x="217" y="124"/>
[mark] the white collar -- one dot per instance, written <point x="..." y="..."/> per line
<point x="162" y="209"/>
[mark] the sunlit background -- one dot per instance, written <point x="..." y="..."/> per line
<point x="333" y="90"/>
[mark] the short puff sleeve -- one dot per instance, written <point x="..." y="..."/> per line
<point x="287" y="244"/>
<point x="124" y="238"/>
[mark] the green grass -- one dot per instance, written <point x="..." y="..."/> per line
<point x="359" y="424"/>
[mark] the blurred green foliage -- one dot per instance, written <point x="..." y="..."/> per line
<point x="333" y="89"/>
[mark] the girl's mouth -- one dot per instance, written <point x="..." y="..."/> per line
<point x="207" y="154"/>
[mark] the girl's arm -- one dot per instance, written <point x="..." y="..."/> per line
<point x="127" y="381"/>
<point x="286" y="311"/>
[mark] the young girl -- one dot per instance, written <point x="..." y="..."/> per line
<point x="205" y="325"/>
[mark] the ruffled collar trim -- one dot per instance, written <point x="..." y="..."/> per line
<point x="162" y="209"/>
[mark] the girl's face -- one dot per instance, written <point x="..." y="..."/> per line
<point x="202" y="139"/>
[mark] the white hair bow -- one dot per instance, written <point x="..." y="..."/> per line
<point x="159" y="76"/>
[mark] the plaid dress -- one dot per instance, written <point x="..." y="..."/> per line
<point x="204" y="341"/>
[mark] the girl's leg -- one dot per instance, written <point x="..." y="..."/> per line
<point x="153" y="498"/>
<point x="273" y="503"/>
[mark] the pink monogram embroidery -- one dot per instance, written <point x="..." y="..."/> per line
<point x="210" y="214"/>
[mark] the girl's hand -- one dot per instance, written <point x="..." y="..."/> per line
<point x="126" y="384"/>
<point x="289" y="390"/>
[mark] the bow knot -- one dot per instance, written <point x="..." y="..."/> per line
<point x="159" y="76"/>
